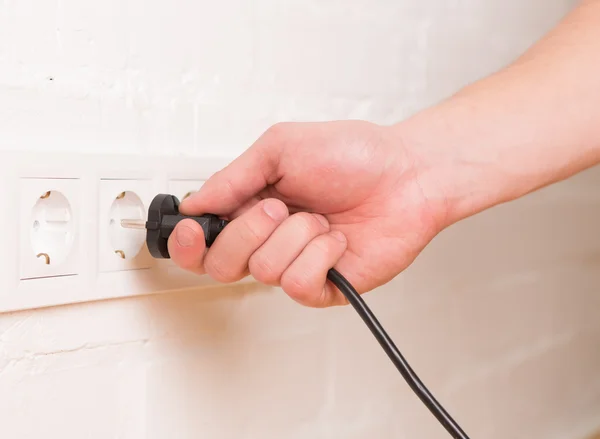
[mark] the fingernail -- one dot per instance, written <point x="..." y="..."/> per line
<point x="339" y="236"/>
<point x="323" y="220"/>
<point x="186" y="237"/>
<point x="275" y="210"/>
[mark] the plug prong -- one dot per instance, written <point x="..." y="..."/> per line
<point x="133" y="224"/>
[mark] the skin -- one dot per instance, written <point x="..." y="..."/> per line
<point x="366" y="199"/>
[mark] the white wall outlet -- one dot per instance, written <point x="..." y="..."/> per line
<point x="68" y="246"/>
<point x="184" y="188"/>
<point x="49" y="229"/>
<point x="119" y="248"/>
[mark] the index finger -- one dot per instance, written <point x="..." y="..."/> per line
<point x="232" y="187"/>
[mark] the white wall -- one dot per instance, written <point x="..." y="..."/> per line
<point x="500" y="315"/>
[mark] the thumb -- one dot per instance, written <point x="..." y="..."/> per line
<point x="236" y="184"/>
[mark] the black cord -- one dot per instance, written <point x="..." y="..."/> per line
<point x="392" y="351"/>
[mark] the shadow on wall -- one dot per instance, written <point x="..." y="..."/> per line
<point x="234" y="360"/>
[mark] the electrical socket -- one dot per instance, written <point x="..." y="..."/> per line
<point x="119" y="248"/>
<point x="49" y="212"/>
<point x="68" y="207"/>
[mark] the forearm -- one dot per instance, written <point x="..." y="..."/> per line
<point x="532" y="124"/>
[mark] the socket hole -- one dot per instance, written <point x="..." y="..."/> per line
<point x="126" y="243"/>
<point x="52" y="231"/>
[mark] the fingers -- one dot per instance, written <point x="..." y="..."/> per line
<point x="232" y="187"/>
<point x="227" y="260"/>
<point x="305" y="280"/>
<point x="295" y="251"/>
<point x="286" y="243"/>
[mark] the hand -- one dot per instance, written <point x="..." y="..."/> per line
<point x="307" y="197"/>
<point x="367" y="199"/>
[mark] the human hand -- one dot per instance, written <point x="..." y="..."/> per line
<point x="366" y="199"/>
<point x="307" y="197"/>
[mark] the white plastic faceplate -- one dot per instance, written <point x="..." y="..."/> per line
<point x="56" y="253"/>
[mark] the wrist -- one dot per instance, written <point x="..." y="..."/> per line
<point x="455" y="166"/>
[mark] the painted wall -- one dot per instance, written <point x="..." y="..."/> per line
<point x="499" y="316"/>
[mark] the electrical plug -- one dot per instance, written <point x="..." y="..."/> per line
<point x="163" y="216"/>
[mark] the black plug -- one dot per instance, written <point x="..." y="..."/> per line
<point x="163" y="216"/>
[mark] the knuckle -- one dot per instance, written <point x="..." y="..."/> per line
<point x="230" y="187"/>
<point x="250" y="231"/>
<point x="324" y="244"/>
<point x="219" y="271"/>
<point x="261" y="268"/>
<point x="255" y="227"/>
<point x="308" y="223"/>
<point x="298" y="288"/>
<point x="277" y="130"/>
